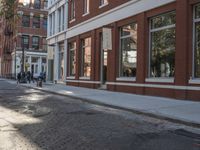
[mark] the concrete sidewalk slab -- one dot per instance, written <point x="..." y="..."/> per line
<point x="187" y="112"/>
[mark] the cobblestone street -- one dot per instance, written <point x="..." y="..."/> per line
<point x="34" y="120"/>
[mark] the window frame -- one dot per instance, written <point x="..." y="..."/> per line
<point x="82" y="76"/>
<point x="72" y="10"/>
<point x="23" y="45"/>
<point x="37" y="5"/>
<point x="102" y="4"/>
<point x="36" y="24"/>
<point x="72" y="50"/>
<point x="86" y="7"/>
<point x="45" y="23"/>
<point x="194" y="21"/>
<point x="120" y="76"/>
<point x="33" y="43"/>
<point x="151" y="78"/>
<point x="24" y="21"/>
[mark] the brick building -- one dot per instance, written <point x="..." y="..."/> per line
<point x="29" y="35"/>
<point x="155" y="46"/>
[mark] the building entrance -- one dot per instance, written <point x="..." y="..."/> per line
<point x="104" y="58"/>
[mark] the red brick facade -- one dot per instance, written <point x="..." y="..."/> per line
<point x="180" y="88"/>
<point x="7" y="66"/>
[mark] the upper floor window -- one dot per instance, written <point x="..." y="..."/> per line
<point x="128" y="50"/>
<point x="72" y="11"/>
<point x="45" y="4"/>
<point x="25" y="3"/>
<point x="59" y="20"/>
<point x="35" y="42"/>
<point x="25" y="41"/>
<point x="36" y="22"/>
<point x="44" y="44"/>
<point x="86" y="58"/>
<point x="103" y="2"/>
<point x="37" y="4"/>
<point x="162" y="45"/>
<point x="26" y="21"/>
<point x="86" y="5"/>
<point x="196" y="22"/>
<point x="45" y="23"/>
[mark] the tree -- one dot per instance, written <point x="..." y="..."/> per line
<point x="8" y="14"/>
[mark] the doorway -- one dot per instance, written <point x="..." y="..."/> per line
<point x="104" y="63"/>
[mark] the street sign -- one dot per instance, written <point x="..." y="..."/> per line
<point x="107" y="38"/>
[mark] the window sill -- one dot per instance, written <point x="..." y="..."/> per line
<point x="84" y="78"/>
<point x="103" y="5"/>
<point x="72" y="20"/>
<point x="194" y="81"/>
<point x="86" y="14"/>
<point x="71" y="77"/>
<point x="126" y="79"/>
<point x="163" y="80"/>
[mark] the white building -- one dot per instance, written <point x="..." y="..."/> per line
<point x="56" y="39"/>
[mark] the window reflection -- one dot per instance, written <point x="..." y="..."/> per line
<point x="162" y="37"/>
<point x="86" y="57"/>
<point x="128" y="50"/>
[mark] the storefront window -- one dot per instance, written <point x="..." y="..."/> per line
<point x="86" y="57"/>
<point x="128" y="50"/>
<point x="162" y="45"/>
<point x="72" y="59"/>
<point x="197" y="42"/>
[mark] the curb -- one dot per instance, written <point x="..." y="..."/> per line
<point x="140" y="112"/>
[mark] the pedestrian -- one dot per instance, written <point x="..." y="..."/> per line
<point x="28" y="76"/>
<point x="18" y="77"/>
<point x="44" y="76"/>
<point x="32" y="78"/>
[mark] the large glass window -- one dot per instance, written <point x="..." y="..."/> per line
<point x="35" y="42"/>
<point x="86" y="57"/>
<point x="197" y="42"/>
<point x="25" y="41"/>
<point x="128" y="50"/>
<point x="36" y="22"/>
<point x="86" y="4"/>
<point x="26" y="21"/>
<point x="72" y="58"/>
<point x="72" y="15"/>
<point x="162" y="45"/>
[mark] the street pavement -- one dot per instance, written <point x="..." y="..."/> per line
<point x="32" y="119"/>
<point x="187" y="112"/>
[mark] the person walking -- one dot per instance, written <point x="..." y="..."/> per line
<point x="32" y="78"/>
<point x="28" y="76"/>
<point x="18" y="77"/>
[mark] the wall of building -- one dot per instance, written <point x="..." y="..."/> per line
<point x="182" y="86"/>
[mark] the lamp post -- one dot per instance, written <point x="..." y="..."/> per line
<point x="23" y="79"/>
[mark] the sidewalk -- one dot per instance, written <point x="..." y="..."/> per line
<point x="186" y="112"/>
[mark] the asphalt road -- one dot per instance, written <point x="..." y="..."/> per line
<point x="35" y="120"/>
